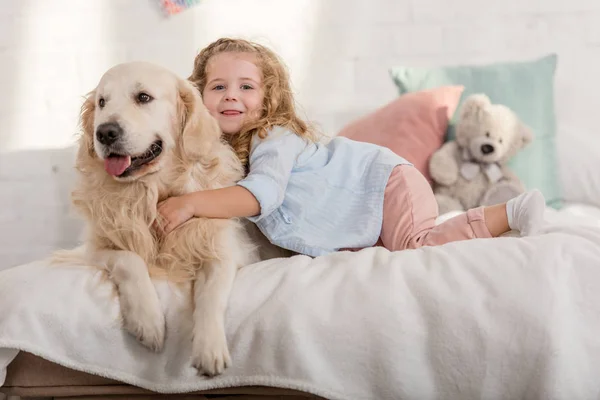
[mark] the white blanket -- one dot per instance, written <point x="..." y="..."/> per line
<point x="503" y="318"/>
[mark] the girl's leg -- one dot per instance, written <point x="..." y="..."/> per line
<point x="410" y="211"/>
<point x="496" y="219"/>
<point x="524" y="213"/>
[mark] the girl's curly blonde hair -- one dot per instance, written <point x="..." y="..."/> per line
<point x="278" y="105"/>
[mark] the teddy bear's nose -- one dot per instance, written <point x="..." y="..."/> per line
<point x="487" y="148"/>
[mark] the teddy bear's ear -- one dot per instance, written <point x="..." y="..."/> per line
<point x="473" y="105"/>
<point x="526" y="134"/>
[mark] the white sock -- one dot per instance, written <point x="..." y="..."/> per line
<point x="526" y="212"/>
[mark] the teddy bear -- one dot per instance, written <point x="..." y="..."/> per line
<point x="472" y="170"/>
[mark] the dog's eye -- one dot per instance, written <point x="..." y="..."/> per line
<point x="144" y="97"/>
<point x="101" y="102"/>
<point x="487" y="134"/>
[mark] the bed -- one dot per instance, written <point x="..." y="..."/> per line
<point x="463" y="319"/>
<point x="503" y="318"/>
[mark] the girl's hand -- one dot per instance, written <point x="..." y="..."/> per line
<point x="229" y="202"/>
<point x="173" y="212"/>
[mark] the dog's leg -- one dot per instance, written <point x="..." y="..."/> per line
<point x="212" y="287"/>
<point x="140" y="306"/>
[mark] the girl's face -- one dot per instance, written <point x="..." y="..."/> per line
<point x="233" y="93"/>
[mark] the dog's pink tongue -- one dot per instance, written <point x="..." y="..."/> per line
<point x="116" y="165"/>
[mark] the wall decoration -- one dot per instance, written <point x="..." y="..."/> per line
<point x="172" y="7"/>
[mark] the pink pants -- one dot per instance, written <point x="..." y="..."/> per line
<point x="410" y="211"/>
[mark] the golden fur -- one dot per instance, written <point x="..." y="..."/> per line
<point x="120" y="212"/>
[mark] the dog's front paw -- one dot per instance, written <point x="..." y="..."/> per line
<point x="146" y="323"/>
<point x="210" y="354"/>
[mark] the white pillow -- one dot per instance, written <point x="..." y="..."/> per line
<point x="579" y="165"/>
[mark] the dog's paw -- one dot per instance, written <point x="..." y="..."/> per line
<point x="147" y="325"/>
<point x="210" y="354"/>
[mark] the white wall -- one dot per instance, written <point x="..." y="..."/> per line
<point x="338" y="51"/>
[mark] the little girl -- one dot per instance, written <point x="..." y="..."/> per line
<point x="315" y="198"/>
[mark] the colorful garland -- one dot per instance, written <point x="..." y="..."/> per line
<point x="172" y="7"/>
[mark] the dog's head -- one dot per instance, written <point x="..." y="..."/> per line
<point x="139" y="115"/>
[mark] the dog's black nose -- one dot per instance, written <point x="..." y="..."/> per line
<point x="487" y="148"/>
<point x="108" y="133"/>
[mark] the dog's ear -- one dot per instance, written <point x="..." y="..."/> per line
<point x="86" y="123"/>
<point x="198" y="129"/>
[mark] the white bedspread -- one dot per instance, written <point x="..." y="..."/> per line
<point x="503" y="318"/>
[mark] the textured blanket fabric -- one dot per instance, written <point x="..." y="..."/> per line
<point x="499" y="318"/>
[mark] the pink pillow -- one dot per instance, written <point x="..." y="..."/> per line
<point x="413" y="125"/>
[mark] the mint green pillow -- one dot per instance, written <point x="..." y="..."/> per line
<point x="527" y="88"/>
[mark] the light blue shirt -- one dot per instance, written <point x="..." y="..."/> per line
<point x="318" y="198"/>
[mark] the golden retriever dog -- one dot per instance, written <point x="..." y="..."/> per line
<point x="146" y="135"/>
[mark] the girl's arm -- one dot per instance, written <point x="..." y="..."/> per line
<point x="271" y="163"/>
<point x="254" y="197"/>
<point x="259" y="193"/>
<point x="229" y="202"/>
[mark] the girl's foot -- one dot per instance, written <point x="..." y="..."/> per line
<point x="526" y="212"/>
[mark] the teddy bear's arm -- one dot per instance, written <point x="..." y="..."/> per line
<point x="443" y="167"/>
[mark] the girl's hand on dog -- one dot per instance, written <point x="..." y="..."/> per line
<point x="173" y="212"/>
<point x="230" y="202"/>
